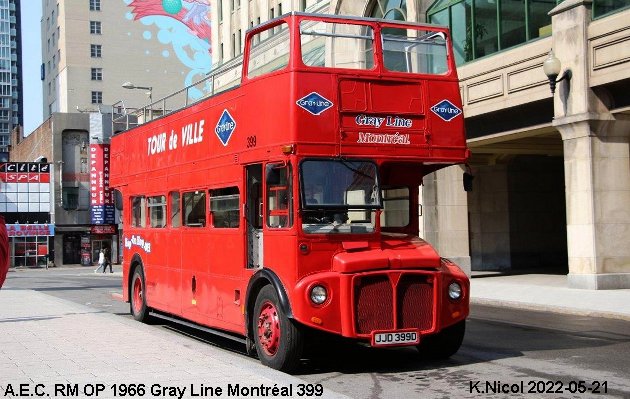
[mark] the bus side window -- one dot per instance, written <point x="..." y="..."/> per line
<point x="279" y="198"/>
<point x="157" y="211"/>
<point x="138" y="212"/>
<point x="195" y="209"/>
<point x="395" y="207"/>
<point x="174" y="204"/>
<point x="224" y="207"/>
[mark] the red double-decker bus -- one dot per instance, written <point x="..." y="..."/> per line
<point x="289" y="202"/>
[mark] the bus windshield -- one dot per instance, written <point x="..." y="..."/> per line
<point x="339" y="196"/>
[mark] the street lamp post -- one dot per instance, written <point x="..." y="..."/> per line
<point x="149" y="89"/>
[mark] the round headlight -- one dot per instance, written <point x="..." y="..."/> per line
<point x="454" y="290"/>
<point x="318" y="294"/>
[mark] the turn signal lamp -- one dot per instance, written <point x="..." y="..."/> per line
<point x="288" y="149"/>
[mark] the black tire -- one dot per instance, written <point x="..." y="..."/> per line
<point x="443" y="344"/>
<point x="137" y="296"/>
<point x="279" y="342"/>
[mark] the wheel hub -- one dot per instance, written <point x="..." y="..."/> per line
<point x="137" y="295"/>
<point x="269" y="329"/>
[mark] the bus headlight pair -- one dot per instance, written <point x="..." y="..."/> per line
<point x="318" y="294"/>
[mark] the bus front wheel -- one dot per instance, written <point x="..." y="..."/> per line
<point x="443" y="344"/>
<point x="138" y="305"/>
<point x="279" y="342"/>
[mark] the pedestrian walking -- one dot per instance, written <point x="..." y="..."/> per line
<point x="101" y="261"/>
<point x="107" y="261"/>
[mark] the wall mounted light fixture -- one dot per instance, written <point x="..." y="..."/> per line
<point x="552" y="67"/>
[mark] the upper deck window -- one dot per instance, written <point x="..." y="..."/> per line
<point x="414" y="51"/>
<point x="269" y="51"/>
<point x="334" y="45"/>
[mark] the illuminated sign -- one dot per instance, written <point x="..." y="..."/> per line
<point x="101" y="203"/>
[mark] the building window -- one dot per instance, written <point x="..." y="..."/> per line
<point x="70" y="198"/>
<point x="97" y="97"/>
<point x="483" y="27"/>
<point x="238" y="41"/>
<point x="605" y="7"/>
<point x="97" y="73"/>
<point x="95" y="50"/>
<point x="95" y="27"/>
<point x="95" y="5"/>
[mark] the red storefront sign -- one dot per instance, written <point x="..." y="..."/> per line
<point x="30" y="230"/>
<point x="103" y="229"/>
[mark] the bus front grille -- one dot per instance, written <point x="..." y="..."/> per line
<point x="374" y="304"/>
<point x="415" y="302"/>
<point x="377" y="308"/>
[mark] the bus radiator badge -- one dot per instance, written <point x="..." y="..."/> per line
<point x="225" y="127"/>
<point x="314" y="103"/>
<point x="446" y="110"/>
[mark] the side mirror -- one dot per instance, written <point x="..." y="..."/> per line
<point x="468" y="181"/>
<point x="118" y="199"/>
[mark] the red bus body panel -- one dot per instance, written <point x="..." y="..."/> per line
<point x="201" y="274"/>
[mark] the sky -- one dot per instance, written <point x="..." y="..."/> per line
<point x="31" y="61"/>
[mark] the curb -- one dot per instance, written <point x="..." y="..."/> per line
<point x="549" y="308"/>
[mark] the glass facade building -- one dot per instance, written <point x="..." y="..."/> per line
<point x="10" y="73"/>
<point x="483" y="27"/>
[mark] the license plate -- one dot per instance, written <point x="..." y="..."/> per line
<point x="401" y="337"/>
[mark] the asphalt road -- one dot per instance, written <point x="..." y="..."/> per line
<point x="506" y="352"/>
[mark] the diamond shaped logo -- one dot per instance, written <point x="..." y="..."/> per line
<point x="446" y="110"/>
<point x="314" y="103"/>
<point x="225" y="127"/>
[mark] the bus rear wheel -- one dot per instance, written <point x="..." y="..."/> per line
<point x="443" y="344"/>
<point x="138" y="300"/>
<point x="279" y="342"/>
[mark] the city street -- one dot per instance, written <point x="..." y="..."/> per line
<point x="517" y="353"/>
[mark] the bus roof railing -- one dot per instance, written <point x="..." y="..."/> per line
<point x="215" y="82"/>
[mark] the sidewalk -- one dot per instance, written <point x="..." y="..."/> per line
<point x="547" y="293"/>
<point x="48" y="341"/>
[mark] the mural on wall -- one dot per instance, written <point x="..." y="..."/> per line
<point x="185" y="26"/>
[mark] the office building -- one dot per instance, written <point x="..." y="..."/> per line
<point x="90" y="48"/>
<point x="10" y="73"/>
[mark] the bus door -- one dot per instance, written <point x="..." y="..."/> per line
<point x="253" y="215"/>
